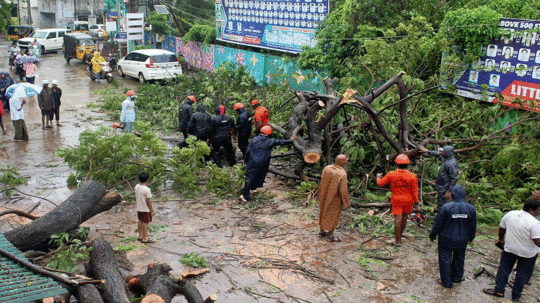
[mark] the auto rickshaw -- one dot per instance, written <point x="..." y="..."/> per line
<point x="77" y="45"/>
<point x="16" y="32"/>
<point x="79" y="27"/>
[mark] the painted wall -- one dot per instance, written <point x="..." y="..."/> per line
<point x="264" y="69"/>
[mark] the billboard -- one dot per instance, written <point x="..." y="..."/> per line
<point x="510" y="68"/>
<point x="284" y="25"/>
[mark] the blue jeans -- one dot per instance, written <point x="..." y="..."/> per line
<point x="451" y="263"/>
<point x="128" y="127"/>
<point x="524" y="270"/>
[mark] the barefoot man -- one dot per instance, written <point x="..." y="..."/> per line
<point x="333" y="196"/>
<point x="404" y="187"/>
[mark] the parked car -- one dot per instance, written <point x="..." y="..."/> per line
<point x="50" y="39"/>
<point x="150" y="64"/>
<point x="96" y="31"/>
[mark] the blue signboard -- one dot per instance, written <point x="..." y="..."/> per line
<point x="510" y="67"/>
<point x="284" y="25"/>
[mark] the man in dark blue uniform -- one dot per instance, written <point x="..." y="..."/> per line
<point x="184" y="114"/>
<point x="258" y="159"/>
<point x="222" y="127"/>
<point x="448" y="173"/>
<point x="456" y="226"/>
<point x="243" y="127"/>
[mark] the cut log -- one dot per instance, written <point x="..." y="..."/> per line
<point x="87" y="293"/>
<point x="370" y="205"/>
<point x="211" y="298"/>
<point x="103" y="267"/>
<point x="194" y="273"/>
<point x="157" y="285"/>
<point x="89" y="200"/>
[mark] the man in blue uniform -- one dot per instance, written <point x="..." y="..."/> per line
<point x="456" y="226"/>
<point x="448" y="173"/>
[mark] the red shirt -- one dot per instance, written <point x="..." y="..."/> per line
<point x="404" y="186"/>
<point x="261" y="114"/>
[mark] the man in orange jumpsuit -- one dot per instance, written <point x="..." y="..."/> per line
<point x="261" y="117"/>
<point x="404" y="187"/>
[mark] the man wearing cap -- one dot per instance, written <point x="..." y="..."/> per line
<point x="222" y="127"/>
<point x="261" y="117"/>
<point x="448" y="172"/>
<point x="333" y="196"/>
<point x="57" y="92"/>
<point x="258" y="159"/>
<point x="46" y="104"/>
<point x="243" y="127"/>
<point x="127" y="116"/>
<point x="404" y="187"/>
<point x="455" y="225"/>
<point x="184" y="114"/>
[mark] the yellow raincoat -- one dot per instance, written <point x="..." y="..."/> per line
<point x="96" y="62"/>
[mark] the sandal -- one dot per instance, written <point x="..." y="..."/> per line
<point x="148" y="241"/>
<point x="323" y="234"/>
<point x="333" y="239"/>
<point x="393" y="243"/>
<point x="491" y="291"/>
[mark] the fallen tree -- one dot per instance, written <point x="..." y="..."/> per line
<point x="90" y="199"/>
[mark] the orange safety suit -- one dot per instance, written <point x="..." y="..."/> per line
<point x="404" y="187"/>
<point x="261" y="114"/>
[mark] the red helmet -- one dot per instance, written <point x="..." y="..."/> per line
<point x="267" y="130"/>
<point x="192" y="98"/>
<point x="402" y="159"/>
<point x="130" y="93"/>
<point x="238" y="106"/>
<point x="254" y="102"/>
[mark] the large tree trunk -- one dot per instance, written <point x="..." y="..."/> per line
<point x="103" y="266"/>
<point x="158" y="286"/>
<point x="89" y="200"/>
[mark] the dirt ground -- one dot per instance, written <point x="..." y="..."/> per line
<point x="267" y="253"/>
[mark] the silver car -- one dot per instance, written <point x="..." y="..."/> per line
<point x="150" y="64"/>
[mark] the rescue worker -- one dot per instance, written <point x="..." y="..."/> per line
<point x="448" y="173"/>
<point x="184" y="114"/>
<point x="222" y="127"/>
<point x="261" y="117"/>
<point x="258" y="159"/>
<point x="243" y="127"/>
<point x="404" y="187"/>
<point x="200" y="124"/>
<point x="456" y="226"/>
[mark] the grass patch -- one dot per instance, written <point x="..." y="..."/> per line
<point x="193" y="260"/>
<point x="125" y="247"/>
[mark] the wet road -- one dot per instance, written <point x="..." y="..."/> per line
<point x="36" y="158"/>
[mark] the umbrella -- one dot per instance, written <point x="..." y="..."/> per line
<point x="23" y="90"/>
<point x="27" y="59"/>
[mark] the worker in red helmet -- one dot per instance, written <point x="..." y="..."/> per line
<point x="404" y="187"/>
<point x="261" y="117"/>
<point x="184" y="114"/>
<point x="258" y="160"/>
<point x="243" y="127"/>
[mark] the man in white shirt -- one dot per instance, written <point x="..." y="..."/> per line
<point x="519" y="233"/>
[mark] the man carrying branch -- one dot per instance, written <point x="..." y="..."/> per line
<point x="404" y="187"/>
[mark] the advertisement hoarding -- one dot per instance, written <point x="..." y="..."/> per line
<point x="510" y="67"/>
<point x="284" y="25"/>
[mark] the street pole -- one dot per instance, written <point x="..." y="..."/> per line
<point x="29" y="17"/>
<point x="19" y="10"/>
<point x="118" y="27"/>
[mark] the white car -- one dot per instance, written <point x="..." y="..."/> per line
<point x="50" y="39"/>
<point x="150" y="64"/>
<point x="96" y="31"/>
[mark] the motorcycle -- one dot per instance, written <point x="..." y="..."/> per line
<point x="113" y="61"/>
<point x="106" y="72"/>
<point x="19" y="70"/>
